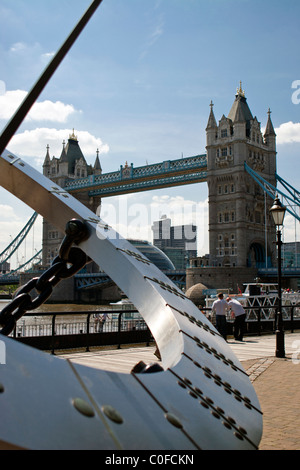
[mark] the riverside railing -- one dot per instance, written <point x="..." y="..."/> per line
<point x="47" y="329"/>
<point x="49" y="332"/>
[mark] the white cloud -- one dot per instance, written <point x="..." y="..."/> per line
<point x="50" y="111"/>
<point x="18" y="46"/>
<point x="34" y="142"/>
<point x="41" y="111"/>
<point x="7" y="212"/>
<point x="288" y="133"/>
<point x="48" y="55"/>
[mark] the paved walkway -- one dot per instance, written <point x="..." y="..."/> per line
<point x="276" y="381"/>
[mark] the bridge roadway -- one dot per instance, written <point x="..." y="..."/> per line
<point x="144" y="178"/>
<point x="83" y="280"/>
<point x="276" y="381"/>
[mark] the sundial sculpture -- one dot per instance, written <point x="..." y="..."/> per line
<point x="199" y="398"/>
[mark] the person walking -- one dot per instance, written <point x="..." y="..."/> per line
<point x="239" y="318"/>
<point x="219" y="307"/>
<point x="102" y="321"/>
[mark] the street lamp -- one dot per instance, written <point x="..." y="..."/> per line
<point x="278" y="212"/>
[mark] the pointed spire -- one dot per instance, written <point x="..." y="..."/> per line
<point x="240" y="111"/>
<point x="47" y="158"/>
<point x="97" y="165"/>
<point x="269" y="128"/>
<point x="212" y="123"/>
<point x="63" y="156"/>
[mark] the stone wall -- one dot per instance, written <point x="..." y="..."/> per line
<point x="220" y="277"/>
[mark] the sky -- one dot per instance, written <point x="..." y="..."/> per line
<point x="137" y="85"/>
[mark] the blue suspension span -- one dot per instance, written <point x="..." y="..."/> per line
<point x="27" y="262"/>
<point x="294" y="192"/>
<point x="14" y="245"/>
<point x="291" y="201"/>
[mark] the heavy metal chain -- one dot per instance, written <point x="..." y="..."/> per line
<point x="69" y="261"/>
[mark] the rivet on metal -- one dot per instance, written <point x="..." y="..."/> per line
<point x="242" y="430"/>
<point x="187" y="381"/>
<point x="173" y="420"/>
<point x="112" y="414"/>
<point x="209" y="400"/>
<point x="83" y="407"/>
<point x="227" y="425"/>
<point x="232" y="420"/>
<point x="205" y="405"/>
<point x="247" y="399"/>
<point x="181" y="384"/>
<point x="215" y="414"/>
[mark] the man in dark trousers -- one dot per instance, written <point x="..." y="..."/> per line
<point x="219" y="307"/>
<point x="240" y="318"/>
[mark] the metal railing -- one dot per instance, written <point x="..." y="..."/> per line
<point x="119" y="330"/>
<point x="53" y="327"/>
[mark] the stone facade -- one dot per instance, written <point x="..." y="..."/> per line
<point x="69" y="166"/>
<point x="241" y="232"/>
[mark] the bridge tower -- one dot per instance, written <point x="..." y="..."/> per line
<point x="241" y="232"/>
<point x="70" y="166"/>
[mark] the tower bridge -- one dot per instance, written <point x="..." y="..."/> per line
<point x="239" y="168"/>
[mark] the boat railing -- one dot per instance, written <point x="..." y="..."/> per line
<point x="262" y="317"/>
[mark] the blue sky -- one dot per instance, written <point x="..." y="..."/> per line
<point x="138" y="82"/>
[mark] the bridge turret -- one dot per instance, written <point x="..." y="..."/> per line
<point x="237" y="230"/>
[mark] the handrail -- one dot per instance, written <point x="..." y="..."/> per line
<point x="88" y="314"/>
<point x="118" y="321"/>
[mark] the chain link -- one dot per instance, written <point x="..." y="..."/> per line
<point x="69" y="261"/>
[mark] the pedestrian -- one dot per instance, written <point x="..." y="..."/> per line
<point x="102" y="321"/>
<point x="239" y="318"/>
<point x="97" y="321"/>
<point x="219" y="307"/>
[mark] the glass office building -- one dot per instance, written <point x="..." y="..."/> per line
<point x="154" y="254"/>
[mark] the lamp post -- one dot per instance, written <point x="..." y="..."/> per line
<point x="278" y="212"/>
